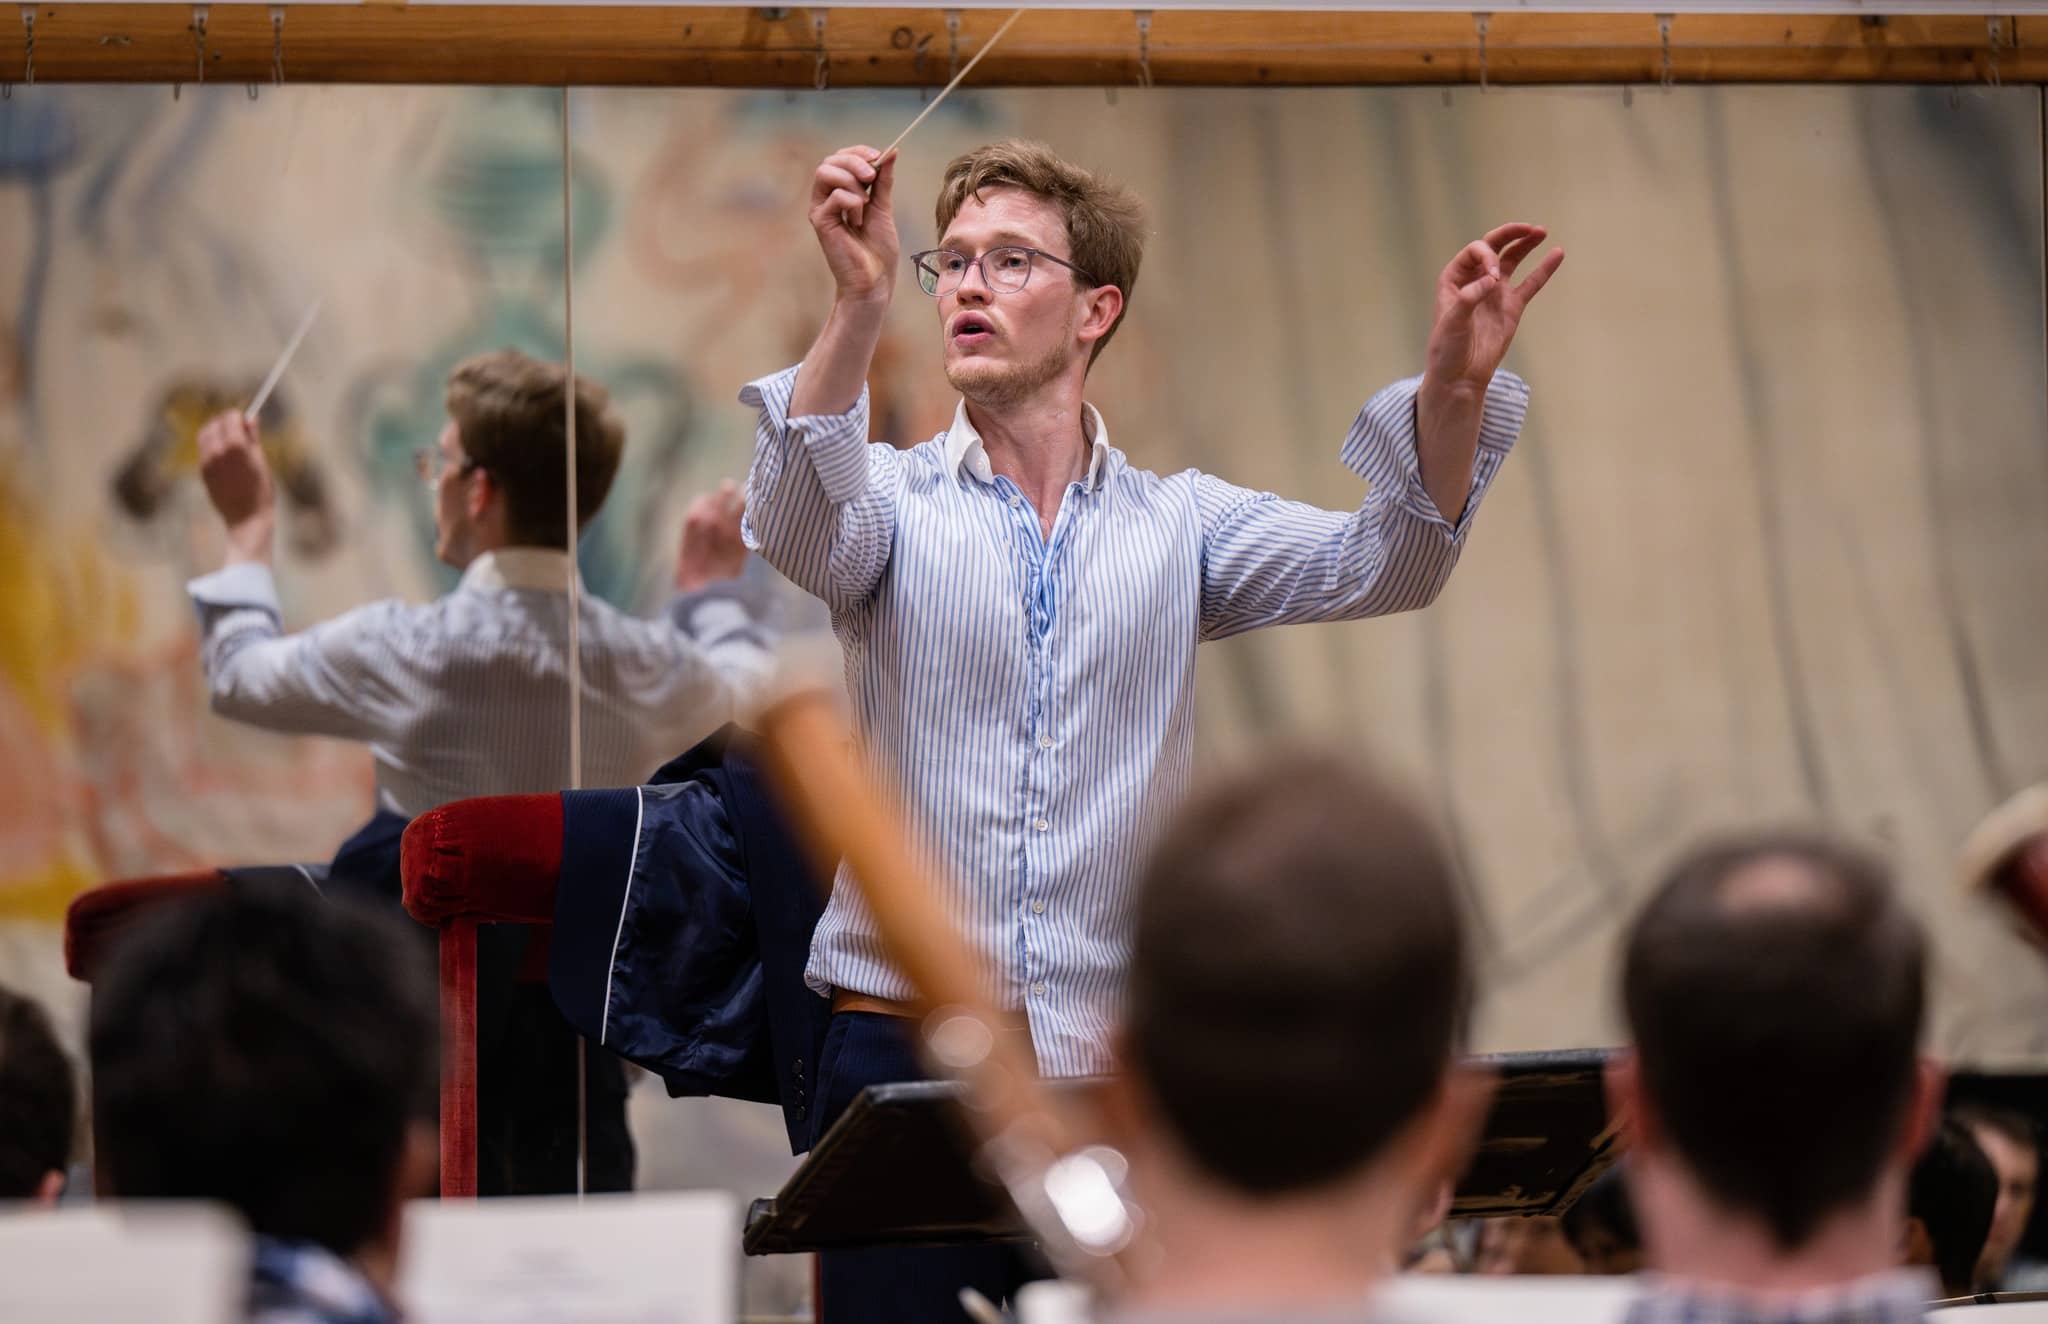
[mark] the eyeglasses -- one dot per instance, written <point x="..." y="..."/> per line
<point x="430" y="462"/>
<point x="1005" y="270"/>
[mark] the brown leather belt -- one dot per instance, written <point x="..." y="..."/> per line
<point x="847" y="1000"/>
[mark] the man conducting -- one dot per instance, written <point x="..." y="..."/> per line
<point x="1019" y="606"/>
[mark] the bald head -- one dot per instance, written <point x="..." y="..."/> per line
<point x="1787" y="884"/>
<point x="1774" y="989"/>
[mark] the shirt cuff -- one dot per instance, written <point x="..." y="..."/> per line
<point x="1381" y="445"/>
<point x="836" y="443"/>
<point x="716" y="613"/>
<point x="244" y="584"/>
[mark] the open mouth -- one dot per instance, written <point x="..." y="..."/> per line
<point x="972" y="329"/>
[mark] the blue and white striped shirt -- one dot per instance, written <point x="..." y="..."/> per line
<point x="299" y="1282"/>
<point x="468" y="695"/>
<point x="1895" y="1296"/>
<point x="1033" y="697"/>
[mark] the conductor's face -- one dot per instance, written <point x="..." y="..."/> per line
<point x="1010" y="316"/>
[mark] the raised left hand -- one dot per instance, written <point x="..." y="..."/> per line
<point x="712" y="548"/>
<point x="1478" y="310"/>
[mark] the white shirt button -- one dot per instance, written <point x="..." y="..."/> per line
<point x="1016" y="502"/>
<point x="1038" y="907"/>
<point x="1038" y="990"/>
<point x="1045" y="742"/>
<point x="1041" y="825"/>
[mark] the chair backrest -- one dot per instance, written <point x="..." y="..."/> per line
<point x="96" y="919"/>
<point x="495" y="860"/>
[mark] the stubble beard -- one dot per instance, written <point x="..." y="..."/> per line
<point x="999" y="386"/>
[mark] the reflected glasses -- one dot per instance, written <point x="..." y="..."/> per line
<point x="430" y="462"/>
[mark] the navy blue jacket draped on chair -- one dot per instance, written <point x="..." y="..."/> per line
<point x="682" y="925"/>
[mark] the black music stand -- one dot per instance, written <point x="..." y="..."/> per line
<point x="894" y="1170"/>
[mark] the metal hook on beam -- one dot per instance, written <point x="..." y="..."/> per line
<point x="28" y="53"/>
<point x="198" y="31"/>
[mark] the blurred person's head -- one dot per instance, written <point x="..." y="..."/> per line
<point x="1429" y="1246"/>
<point x="1300" y="979"/>
<point x="1949" y="1205"/>
<point x="2012" y="1144"/>
<point x="38" y="1104"/>
<point x="1775" y="1100"/>
<point x="498" y="470"/>
<point x="1535" y="1245"/>
<point x="275" y="1052"/>
<point x="1601" y="1226"/>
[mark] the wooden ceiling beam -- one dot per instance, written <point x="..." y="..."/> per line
<point x="757" y="47"/>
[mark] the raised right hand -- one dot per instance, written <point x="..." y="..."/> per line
<point x="856" y="229"/>
<point x="237" y="480"/>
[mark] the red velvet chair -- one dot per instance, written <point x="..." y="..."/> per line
<point x="97" y="919"/>
<point x="486" y="861"/>
<point x="493" y="860"/>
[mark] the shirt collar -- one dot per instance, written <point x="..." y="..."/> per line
<point x="541" y="568"/>
<point x="963" y="446"/>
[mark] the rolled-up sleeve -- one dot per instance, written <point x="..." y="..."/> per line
<point x="821" y="498"/>
<point x="1269" y="561"/>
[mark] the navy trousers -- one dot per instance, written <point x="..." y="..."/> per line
<point x="892" y="1286"/>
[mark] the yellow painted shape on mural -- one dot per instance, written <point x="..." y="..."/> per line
<point x="45" y="895"/>
<point x="191" y="405"/>
<point x="61" y="606"/>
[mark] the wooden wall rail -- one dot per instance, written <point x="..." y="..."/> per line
<point x="753" y="46"/>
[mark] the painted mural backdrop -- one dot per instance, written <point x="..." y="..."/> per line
<point x="1770" y="548"/>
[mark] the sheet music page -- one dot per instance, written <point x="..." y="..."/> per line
<point x="1458" y="1299"/>
<point x="168" y="1264"/>
<point x="1411" y="1299"/>
<point x="615" y="1259"/>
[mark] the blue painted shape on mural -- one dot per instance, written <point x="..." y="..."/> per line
<point x="37" y="141"/>
<point x="830" y="110"/>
